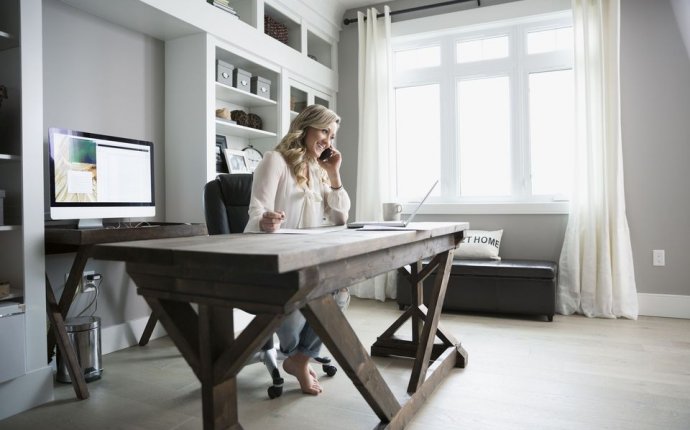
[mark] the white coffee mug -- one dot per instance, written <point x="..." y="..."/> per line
<point x="391" y="211"/>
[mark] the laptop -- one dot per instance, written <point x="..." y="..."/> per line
<point x="401" y="224"/>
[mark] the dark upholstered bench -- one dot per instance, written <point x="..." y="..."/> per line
<point x="499" y="286"/>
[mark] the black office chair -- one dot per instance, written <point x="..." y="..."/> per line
<point x="226" y="207"/>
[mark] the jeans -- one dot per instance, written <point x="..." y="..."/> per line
<point x="296" y="335"/>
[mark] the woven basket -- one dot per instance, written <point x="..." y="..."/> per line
<point x="254" y="121"/>
<point x="247" y="119"/>
<point x="275" y="29"/>
<point x="240" y="117"/>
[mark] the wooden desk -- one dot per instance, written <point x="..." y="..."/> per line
<point x="270" y="275"/>
<point x="60" y="239"/>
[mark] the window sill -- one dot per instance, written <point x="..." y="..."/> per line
<point x="536" y="208"/>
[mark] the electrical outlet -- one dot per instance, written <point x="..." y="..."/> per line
<point x="659" y="257"/>
<point x="84" y="285"/>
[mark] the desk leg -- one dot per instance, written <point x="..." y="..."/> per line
<point x="218" y="399"/>
<point x="424" y="348"/>
<point x="335" y="331"/>
<point x="148" y="330"/>
<point x="207" y="342"/>
<point x="57" y="324"/>
<point x="70" y="289"/>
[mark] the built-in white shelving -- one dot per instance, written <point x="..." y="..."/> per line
<point x="25" y="377"/>
<point x="229" y="129"/>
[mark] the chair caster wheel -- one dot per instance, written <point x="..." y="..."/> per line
<point x="322" y="360"/>
<point x="274" y="392"/>
<point x="330" y="370"/>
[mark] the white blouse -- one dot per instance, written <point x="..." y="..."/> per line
<point x="275" y="189"/>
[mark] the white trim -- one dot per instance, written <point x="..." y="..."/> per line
<point x="27" y="391"/>
<point x="121" y="336"/>
<point x="559" y="208"/>
<point x="664" y="305"/>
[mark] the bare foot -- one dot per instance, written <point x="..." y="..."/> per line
<point x="298" y="366"/>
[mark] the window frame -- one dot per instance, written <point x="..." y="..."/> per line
<point x="517" y="66"/>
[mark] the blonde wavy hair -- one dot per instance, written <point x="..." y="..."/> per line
<point x="293" y="148"/>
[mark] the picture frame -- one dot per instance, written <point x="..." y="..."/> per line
<point x="236" y="161"/>
<point x="221" y="144"/>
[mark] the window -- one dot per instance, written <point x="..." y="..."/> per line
<point x="489" y="112"/>
<point x="482" y="49"/>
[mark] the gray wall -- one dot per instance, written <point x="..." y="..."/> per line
<point x="102" y="78"/>
<point x="655" y="85"/>
<point x="655" y="98"/>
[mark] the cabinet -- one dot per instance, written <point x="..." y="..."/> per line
<point x="27" y="382"/>
<point x="303" y="36"/>
<point x="302" y="95"/>
<point x="192" y="97"/>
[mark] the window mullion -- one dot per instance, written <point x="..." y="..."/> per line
<point x="449" y="166"/>
<point x="521" y="157"/>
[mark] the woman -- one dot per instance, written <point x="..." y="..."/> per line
<point x="294" y="188"/>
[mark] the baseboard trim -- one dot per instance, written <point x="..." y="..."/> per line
<point x="121" y="336"/>
<point x="664" y="305"/>
<point x="26" y="392"/>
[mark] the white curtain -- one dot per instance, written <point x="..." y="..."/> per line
<point x="597" y="276"/>
<point x="374" y="109"/>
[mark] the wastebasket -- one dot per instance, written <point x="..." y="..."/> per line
<point x="84" y="333"/>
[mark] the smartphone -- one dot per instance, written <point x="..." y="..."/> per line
<point x="326" y="154"/>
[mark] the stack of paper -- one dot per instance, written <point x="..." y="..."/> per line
<point x="225" y="5"/>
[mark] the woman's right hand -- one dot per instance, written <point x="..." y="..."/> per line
<point x="271" y="221"/>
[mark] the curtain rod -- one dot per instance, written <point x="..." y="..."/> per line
<point x="347" y="21"/>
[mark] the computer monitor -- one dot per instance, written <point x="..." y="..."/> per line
<point x="93" y="176"/>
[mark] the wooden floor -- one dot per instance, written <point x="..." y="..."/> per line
<point x="523" y="373"/>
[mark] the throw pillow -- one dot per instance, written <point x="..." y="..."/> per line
<point x="480" y="244"/>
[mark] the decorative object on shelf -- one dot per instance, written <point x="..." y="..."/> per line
<point x="247" y="119"/>
<point x="224" y="5"/>
<point x="237" y="163"/>
<point x="241" y="79"/>
<point x="261" y="86"/>
<point x="275" y="29"/>
<point x="254" y="121"/>
<point x="221" y="144"/>
<point x="224" y="72"/>
<point x="225" y="115"/>
<point x="240" y="116"/>
<point x="253" y="156"/>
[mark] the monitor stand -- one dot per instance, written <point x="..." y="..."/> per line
<point x="90" y="223"/>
